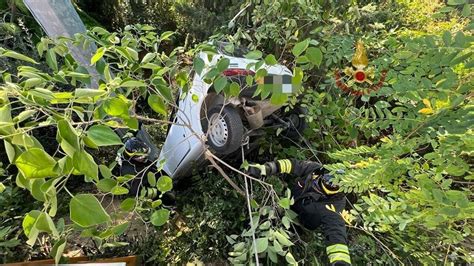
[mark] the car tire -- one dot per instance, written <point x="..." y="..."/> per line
<point x="225" y="132"/>
<point x="298" y="123"/>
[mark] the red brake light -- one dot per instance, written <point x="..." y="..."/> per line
<point x="237" y="72"/>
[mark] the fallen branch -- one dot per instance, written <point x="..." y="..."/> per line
<point x="209" y="156"/>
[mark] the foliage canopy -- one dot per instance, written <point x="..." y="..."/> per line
<point x="406" y="148"/>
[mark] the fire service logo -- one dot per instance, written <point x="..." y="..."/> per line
<point x="359" y="74"/>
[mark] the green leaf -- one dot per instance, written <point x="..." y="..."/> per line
<point x="277" y="246"/>
<point x="157" y="104"/>
<point x="273" y="256"/>
<point x="32" y="82"/>
<point x="210" y="75"/>
<point x="282" y="239"/>
<point x="10" y="150"/>
<point x="120" y="229"/>
<point x="24" y="115"/>
<point x="106" y="184"/>
<point x="300" y="47"/>
<point x="460" y="39"/>
<point x="29" y="221"/>
<point x="265" y="226"/>
<point x="297" y="78"/>
<point x="133" y="84"/>
<point x="133" y="54"/>
<point x="25" y="140"/>
<point x="118" y="190"/>
<point x="164" y="184"/>
<point x="466" y="10"/>
<point x="290" y="259"/>
<point x="85" y="210"/>
<point x="160" y="217"/>
<point x="2" y="187"/>
<point x="42" y="93"/>
<point x="302" y="59"/>
<point x="36" y="222"/>
<point x="404" y="55"/>
<point x="166" y="35"/>
<point x="450" y="211"/>
<point x="156" y="203"/>
<point x="89" y="143"/>
<point x="36" y="189"/>
<point x="36" y="163"/>
<point x="284" y="203"/>
<point x="270" y="60"/>
<point x="234" y="89"/>
<point x="69" y="139"/>
<point x="286" y="222"/>
<point x="249" y="80"/>
<point x="262" y="244"/>
<point x="105" y="171"/>
<point x="22" y="182"/>
<point x="279" y="98"/>
<point x="84" y="163"/>
<point x="314" y="55"/>
<point x="132" y="123"/>
<point x="456" y="2"/>
<point x="163" y="89"/>
<point x="151" y="179"/>
<point x="447" y="38"/>
<point x="123" y="52"/>
<point x="148" y="57"/>
<point x="261" y="73"/>
<point x="58" y="249"/>
<point x="259" y="64"/>
<point x="107" y="74"/>
<point x="402" y="225"/>
<point x="18" y="56"/>
<point x="79" y="93"/>
<point x="220" y="83"/>
<point x="98" y="55"/>
<point x="223" y="64"/>
<point x="51" y="60"/>
<point x="128" y="204"/>
<point x="254" y="55"/>
<point x="103" y="136"/>
<point x="116" y="107"/>
<point x="45" y="223"/>
<point x="78" y="75"/>
<point x="198" y="65"/>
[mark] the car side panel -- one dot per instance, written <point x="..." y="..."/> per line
<point x="183" y="145"/>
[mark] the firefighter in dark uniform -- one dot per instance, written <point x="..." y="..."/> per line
<point x="313" y="191"/>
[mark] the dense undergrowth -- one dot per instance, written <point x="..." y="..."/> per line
<point x="406" y="148"/>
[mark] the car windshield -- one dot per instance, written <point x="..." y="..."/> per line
<point x="230" y="49"/>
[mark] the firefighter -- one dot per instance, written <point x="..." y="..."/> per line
<point x="313" y="190"/>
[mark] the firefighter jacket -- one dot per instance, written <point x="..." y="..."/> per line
<point x="313" y="203"/>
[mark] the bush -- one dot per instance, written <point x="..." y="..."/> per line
<point x="51" y="121"/>
<point x="406" y="148"/>
<point x="408" y="144"/>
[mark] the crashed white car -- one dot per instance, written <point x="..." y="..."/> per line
<point x="203" y="117"/>
<point x="206" y="118"/>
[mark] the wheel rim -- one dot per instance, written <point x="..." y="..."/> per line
<point x="219" y="130"/>
<point x="294" y="120"/>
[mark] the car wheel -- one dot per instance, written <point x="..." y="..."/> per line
<point x="297" y="123"/>
<point x="224" y="129"/>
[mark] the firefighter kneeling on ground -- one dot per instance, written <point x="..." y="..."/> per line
<point x="312" y="191"/>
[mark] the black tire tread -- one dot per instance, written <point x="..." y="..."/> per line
<point x="235" y="127"/>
